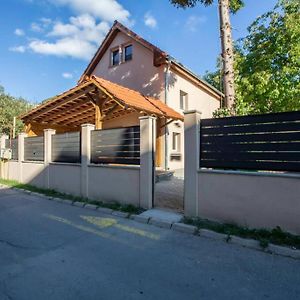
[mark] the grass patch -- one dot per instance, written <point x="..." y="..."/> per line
<point x="264" y="236"/>
<point x="131" y="209"/>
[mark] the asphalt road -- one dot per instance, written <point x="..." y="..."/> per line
<point x="50" y="250"/>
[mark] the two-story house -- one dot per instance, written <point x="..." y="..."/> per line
<point x="126" y="59"/>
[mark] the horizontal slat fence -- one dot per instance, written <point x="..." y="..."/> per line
<point x="258" y="142"/>
<point x="34" y="148"/>
<point x="66" y="147"/>
<point x="119" y="146"/>
<point x="13" y="145"/>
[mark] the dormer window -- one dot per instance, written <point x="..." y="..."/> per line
<point x="128" y="53"/>
<point x="115" y="57"/>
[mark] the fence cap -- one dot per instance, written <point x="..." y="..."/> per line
<point x="22" y="134"/>
<point x="49" y="130"/>
<point x="88" y="125"/>
<point x="193" y="111"/>
<point x="147" y="117"/>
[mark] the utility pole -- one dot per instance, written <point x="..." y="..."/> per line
<point x="14" y="128"/>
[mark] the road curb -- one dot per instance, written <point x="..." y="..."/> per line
<point x="141" y="219"/>
<point x="248" y="243"/>
<point x="120" y="214"/>
<point x="213" y="235"/>
<point x="78" y="204"/>
<point x="105" y="210"/>
<point x="180" y="227"/>
<point x="283" y="251"/>
<point x="160" y="223"/>
<point x="91" y="206"/>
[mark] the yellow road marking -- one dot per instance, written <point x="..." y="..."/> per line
<point x="90" y="230"/>
<point x="108" y="222"/>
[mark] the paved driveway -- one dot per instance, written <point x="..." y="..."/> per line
<point x="50" y="250"/>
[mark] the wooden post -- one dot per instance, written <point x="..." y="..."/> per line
<point x="98" y="114"/>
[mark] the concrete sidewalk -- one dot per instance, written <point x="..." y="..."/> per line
<point x="49" y="250"/>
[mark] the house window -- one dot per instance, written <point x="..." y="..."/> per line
<point x="183" y="100"/>
<point x="176" y="142"/>
<point x="128" y="53"/>
<point x="115" y="57"/>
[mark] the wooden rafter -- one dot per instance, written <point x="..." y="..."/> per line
<point x="68" y="99"/>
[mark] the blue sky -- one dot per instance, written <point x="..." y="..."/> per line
<point x="45" y="45"/>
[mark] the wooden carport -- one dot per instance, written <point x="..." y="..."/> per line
<point x="100" y="102"/>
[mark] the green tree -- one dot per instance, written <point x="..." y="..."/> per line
<point x="269" y="72"/>
<point x="225" y="6"/>
<point x="11" y="107"/>
<point x="267" y="63"/>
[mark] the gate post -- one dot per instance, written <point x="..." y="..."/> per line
<point x="21" y="138"/>
<point x="191" y="161"/>
<point x="85" y="157"/>
<point x="3" y="139"/>
<point x="47" y="154"/>
<point x="147" y="160"/>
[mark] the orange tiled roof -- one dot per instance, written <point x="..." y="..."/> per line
<point x="136" y="100"/>
<point x="127" y="97"/>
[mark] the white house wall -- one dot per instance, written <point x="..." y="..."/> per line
<point x="197" y="100"/>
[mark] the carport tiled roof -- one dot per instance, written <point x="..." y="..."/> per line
<point x="135" y="99"/>
<point x="76" y="106"/>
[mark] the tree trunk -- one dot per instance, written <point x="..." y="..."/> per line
<point x="227" y="53"/>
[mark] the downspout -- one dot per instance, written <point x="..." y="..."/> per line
<point x="167" y="69"/>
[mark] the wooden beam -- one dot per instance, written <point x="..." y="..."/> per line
<point x="167" y="123"/>
<point x="67" y="110"/>
<point x="110" y="111"/>
<point x="65" y="101"/>
<point x="87" y="113"/>
<point x="71" y="115"/>
<point x="41" y="106"/>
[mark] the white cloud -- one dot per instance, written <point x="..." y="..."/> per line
<point x="193" y="22"/>
<point x="106" y="10"/>
<point x="79" y="38"/>
<point x="81" y="35"/>
<point x="149" y="20"/>
<point x="19" y="32"/>
<point x="83" y="27"/>
<point x="71" y="47"/>
<point x="41" y="26"/>
<point x="20" y="49"/>
<point x="67" y="75"/>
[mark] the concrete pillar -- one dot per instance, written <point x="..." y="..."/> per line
<point x="85" y="156"/>
<point x="147" y="161"/>
<point x="47" y="154"/>
<point x="21" y="138"/>
<point x="3" y="139"/>
<point x="191" y="161"/>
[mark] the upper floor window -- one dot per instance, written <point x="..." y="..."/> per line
<point x="127" y="53"/>
<point x="183" y="100"/>
<point x="115" y="57"/>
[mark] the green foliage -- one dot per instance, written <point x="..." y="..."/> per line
<point x="129" y="208"/>
<point x="235" y="5"/>
<point x="11" y="107"/>
<point x="264" y="236"/>
<point x="267" y="63"/>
